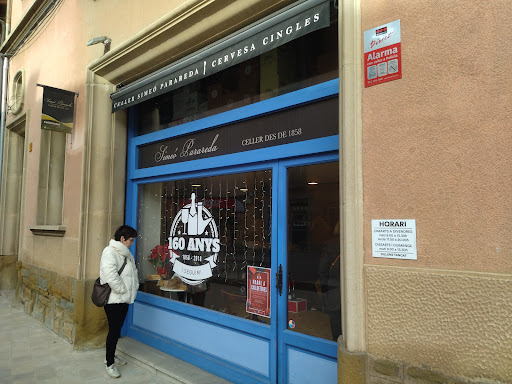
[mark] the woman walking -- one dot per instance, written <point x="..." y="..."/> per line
<point x="124" y="287"/>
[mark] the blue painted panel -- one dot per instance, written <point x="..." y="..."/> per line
<point x="325" y="347"/>
<point x="274" y="352"/>
<point x="318" y="349"/>
<point x="307" y="368"/>
<point x="282" y="249"/>
<point x="233" y="373"/>
<point x="228" y="321"/>
<point x="235" y="347"/>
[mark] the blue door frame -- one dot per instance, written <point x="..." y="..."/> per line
<point x="289" y="343"/>
<point x="281" y="342"/>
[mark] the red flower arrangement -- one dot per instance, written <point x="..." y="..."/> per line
<point x="160" y="259"/>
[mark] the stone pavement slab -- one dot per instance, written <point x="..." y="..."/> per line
<point x="163" y="364"/>
<point x="30" y="353"/>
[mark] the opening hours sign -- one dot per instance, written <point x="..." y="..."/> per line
<point x="382" y="54"/>
<point x="394" y="239"/>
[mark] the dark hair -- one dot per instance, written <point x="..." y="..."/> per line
<point x="125" y="231"/>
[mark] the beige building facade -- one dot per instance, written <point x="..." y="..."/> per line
<point x="433" y="146"/>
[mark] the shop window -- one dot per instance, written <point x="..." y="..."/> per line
<point x="51" y="178"/>
<point x="216" y="227"/>
<point x="306" y="61"/>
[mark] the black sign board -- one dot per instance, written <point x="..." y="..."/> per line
<point x="58" y="109"/>
<point x="243" y="46"/>
<point x="311" y="121"/>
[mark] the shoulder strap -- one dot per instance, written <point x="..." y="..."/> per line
<point x="124" y="265"/>
<point x="334" y="262"/>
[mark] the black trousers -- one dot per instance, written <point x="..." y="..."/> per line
<point x="116" y="313"/>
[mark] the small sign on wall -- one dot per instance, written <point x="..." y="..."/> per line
<point x="58" y="110"/>
<point x="394" y="239"/>
<point x="382" y="54"/>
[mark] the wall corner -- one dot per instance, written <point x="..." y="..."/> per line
<point x="351" y="366"/>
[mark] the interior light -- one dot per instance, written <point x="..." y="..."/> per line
<point x="312" y="183"/>
<point x="196" y="185"/>
<point x="244" y="189"/>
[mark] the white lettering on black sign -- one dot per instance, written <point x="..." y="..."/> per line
<point x="283" y="127"/>
<point x="310" y="20"/>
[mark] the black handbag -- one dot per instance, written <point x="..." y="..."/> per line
<point x="101" y="292"/>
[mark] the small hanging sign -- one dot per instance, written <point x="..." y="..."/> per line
<point x="382" y="54"/>
<point x="58" y="109"/>
<point x="258" y="291"/>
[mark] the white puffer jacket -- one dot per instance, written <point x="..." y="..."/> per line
<point x="124" y="286"/>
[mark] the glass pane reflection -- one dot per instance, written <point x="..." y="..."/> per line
<point x="300" y="63"/>
<point x="235" y="209"/>
<point x="314" y="302"/>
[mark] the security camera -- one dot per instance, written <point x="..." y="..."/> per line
<point x="100" y="39"/>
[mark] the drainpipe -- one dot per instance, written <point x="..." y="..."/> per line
<point x="4" y="31"/>
<point x="8" y="19"/>
<point x="3" y="111"/>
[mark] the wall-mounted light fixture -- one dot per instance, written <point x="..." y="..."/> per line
<point x="101" y="39"/>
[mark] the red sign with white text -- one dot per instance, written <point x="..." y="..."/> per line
<point x="382" y="54"/>
<point x="258" y="291"/>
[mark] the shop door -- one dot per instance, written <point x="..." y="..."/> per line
<point x="309" y="302"/>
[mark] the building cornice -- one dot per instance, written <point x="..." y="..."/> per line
<point x="25" y="26"/>
<point x="183" y="31"/>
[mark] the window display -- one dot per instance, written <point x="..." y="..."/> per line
<point x="199" y="236"/>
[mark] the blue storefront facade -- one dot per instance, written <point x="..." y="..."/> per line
<point x="233" y="186"/>
<point x="248" y="141"/>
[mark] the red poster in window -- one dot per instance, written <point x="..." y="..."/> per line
<point x="258" y="291"/>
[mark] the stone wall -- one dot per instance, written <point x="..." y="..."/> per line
<point x="62" y="304"/>
<point x="8" y="273"/>
<point x="451" y="321"/>
<point x="384" y="371"/>
<point x="49" y="298"/>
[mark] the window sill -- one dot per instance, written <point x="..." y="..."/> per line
<point x="49" y="230"/>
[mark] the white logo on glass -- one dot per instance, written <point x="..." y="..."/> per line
<point x="194" y="243"/>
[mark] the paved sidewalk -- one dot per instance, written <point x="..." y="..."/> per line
<point x="30" y="354"/>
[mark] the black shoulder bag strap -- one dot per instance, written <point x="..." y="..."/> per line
<point x="124" y="265"/>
